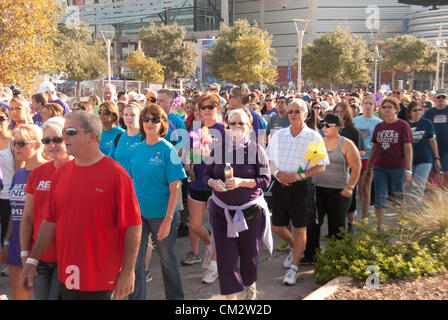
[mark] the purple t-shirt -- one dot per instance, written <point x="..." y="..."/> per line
<point x="4" y="104"/>
<point x="390" y="139"/>
<point x="252" y="164"/>
<point x="62" y="104"/>
<point x="17" y="200"/>
<point x="199" y="169"/>
<point x="37" y="119"/>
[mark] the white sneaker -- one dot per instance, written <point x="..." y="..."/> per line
<point x="250" y="292"/>
<point x="291" y="276"/>
<point x="288" y="261"/>
<point x="211" y="275"/>
<point x="207" y="258"/>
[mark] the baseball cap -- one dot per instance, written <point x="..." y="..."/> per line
<point x="427" y="104"/>
<point x="5" y="94"/>
<point x="141" y="97"/>
<point x="46" y="86"/>
<point x="315" y="90"/>
<point x="441" y="92"/>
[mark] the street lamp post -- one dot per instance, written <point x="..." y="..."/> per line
<point x="376" y="58"/>
<point x="440" y="43"/>
<point x="107" y="37"/>
<point x="300" y="35"/>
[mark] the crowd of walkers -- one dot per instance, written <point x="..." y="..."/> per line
<point x="88" y="192"/>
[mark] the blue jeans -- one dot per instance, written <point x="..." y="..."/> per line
<point x="168" y="260"/>
<point x="420" y="176"/>
<point x="388" y="180"/>
<point x="46" y="285"/>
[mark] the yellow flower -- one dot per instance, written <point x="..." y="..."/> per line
<point x="315" y="152"/>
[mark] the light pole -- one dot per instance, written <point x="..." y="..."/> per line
<point x="445" y="60"/>
<point x="376" y="58"/>
<point x="440" y="43"/>
<point x="300" y="35"/>
<point x="107" y="37"/>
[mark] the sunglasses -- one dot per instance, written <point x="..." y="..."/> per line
<point x="441" y="97"/>
<point x="210" y="107"/>
<point x="105" y="112"/>
<point x="56" y="140"/>
<point x="3" y="119"/>
<point x="153" y="120"/>
<point x="294" y="111"/>
<point x="329" y="125"/>
<point x="417" y="110"/>
<point x="387" y="107"/>
<point x="236" y="123"/>
<point x="396" y="92"/>
<point x="268" y="100"/>
<point x="21" y="143"/>
<point x="72" y="131"/>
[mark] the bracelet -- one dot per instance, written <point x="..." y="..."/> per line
<point x="24" y="253"/>
<point x="32" y="261"/>
<point x="171" y="216"/>
<point x="408" y="170"/>
<point x="437" y="158"/>
<point x="5" y="243"/>
<point x="351" y="187"/>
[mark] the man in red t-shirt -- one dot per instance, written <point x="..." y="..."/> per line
<point x="92" y="216"/>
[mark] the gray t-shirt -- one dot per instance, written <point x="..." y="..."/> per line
<point x="276" y="123"/>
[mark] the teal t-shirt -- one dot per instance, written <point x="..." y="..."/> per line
<point x="153" y="168"/>
<point x="366" y="126"/>
<point x="107" y="139"/>
<point x="125" y="149"/>
<point x="176" y="138"/>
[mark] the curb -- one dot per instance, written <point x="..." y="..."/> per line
<point x="329" y="288"/>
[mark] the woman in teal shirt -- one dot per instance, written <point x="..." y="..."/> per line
<point x="124" y="144"/>
<point x="109" y="117"/>
<point x="157" y="170"/>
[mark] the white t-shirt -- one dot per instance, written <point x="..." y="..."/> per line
<point x="7" y="164"/>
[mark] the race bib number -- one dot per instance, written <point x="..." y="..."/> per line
<point x="442" y="118"/>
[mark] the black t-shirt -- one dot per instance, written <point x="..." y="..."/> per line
<point x="402" y="113"/>
<point x="355" y="135"/>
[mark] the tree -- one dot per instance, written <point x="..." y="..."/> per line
<point x="409" y="54"/>
<point x="77" y="56"/>
<point x="243" y="54"/>
<point x="26" y="30"/>
<point x="336" y="57"/>
<point x="166" y="45"/>
<point x="144" y="68"/>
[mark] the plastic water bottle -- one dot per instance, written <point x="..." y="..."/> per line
<point x="228" y="171"/>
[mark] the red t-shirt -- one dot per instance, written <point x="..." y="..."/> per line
<point x="38" y="185"/>
<point x="92" y="208"/>
<point x="390" y="139"/>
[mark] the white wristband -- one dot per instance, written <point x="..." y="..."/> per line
<point x="32" y="261"/>
<point x="24" y="253"/>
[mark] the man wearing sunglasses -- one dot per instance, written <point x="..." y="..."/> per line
<point x="93" y="217"/>
<point x="292" y="192"/>
<point x="439" y="117"/>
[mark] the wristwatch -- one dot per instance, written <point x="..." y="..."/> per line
<point x="303" y="175"/>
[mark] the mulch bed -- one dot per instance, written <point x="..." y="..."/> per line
<point x="422" y="288"/>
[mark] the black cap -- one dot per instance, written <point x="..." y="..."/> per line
<point x="427" y="104"/>
<point x="333" y="118"/>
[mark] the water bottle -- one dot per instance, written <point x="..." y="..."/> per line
<point x="228" y="171"/>
<point x="436" y="179"/>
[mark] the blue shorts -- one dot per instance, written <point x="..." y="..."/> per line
<point x="388" y="180"/>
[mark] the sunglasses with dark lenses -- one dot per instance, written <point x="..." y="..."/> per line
<point x="56" y="140"/>
<point x="210" y="107"/>
<point x="329" y="125"/>
<point x="236" y="123"/>
<point x="396" y="92"/>
<point x="268" y="100"/>
<point x="153" y="100"/>
<point x="387" y="107"/>
<point x="294" y="111"/>
<point x="72" y="131"/>
<point x="105" y="112"/>
<point x="153" y="120"/>
<point x="441" y="97"/>
<point x="21" y="143"/>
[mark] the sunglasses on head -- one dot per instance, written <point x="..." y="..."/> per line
<point x="21" y="143"/>
<point x="105" y="112"/>
<point x="210" y="107"/>
<point x="153" y="120"/>
<point x="72" y="131"/>
<point x="56" y="140"/>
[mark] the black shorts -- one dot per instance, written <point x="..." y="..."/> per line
<point x="198" y="195"/>
<point x="295" y="203"/>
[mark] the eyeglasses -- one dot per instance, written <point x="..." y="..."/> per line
<point x="417" y="110"/>
<point x="441" y="97"/>
<point x="268" y="100"/>
<point x="210" y="107"/>
<point x="387" y="107"/>
<point x="105" y="112"/>
<point x="329" y="125"/>
<point x="72" y="131"/>
<point x="56" y="140"/>
<point x="294" y="111"/>
<point x="236" y="123"/>
<point x="21" y="143"/>
<point x="153" y="120"/>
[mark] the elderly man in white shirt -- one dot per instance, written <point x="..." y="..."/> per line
<point x="293" y="193"/>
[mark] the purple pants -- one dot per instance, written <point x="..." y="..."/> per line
<point x="229" y="250"/>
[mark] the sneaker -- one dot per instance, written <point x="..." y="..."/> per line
<point x="306" y="261"/>
<point x="291" y="276"/>
<point x="5" y="272"/>
<point x="148" y="276"/>
<point x="250" y="292"/>
<point x="211" y="275"/>
<point x="191" y="259"/>
<point x="288" y="261"/>
<point x="283" y="246"/>
<point x="207" y="258"/>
